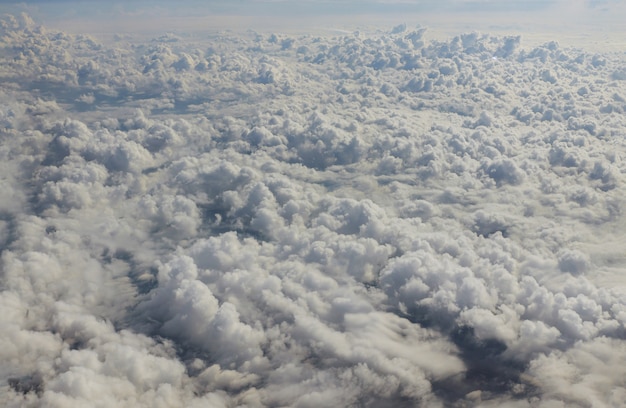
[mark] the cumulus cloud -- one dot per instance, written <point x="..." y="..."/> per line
<point x="369" y="219"/>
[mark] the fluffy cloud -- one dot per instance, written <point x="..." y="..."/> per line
<point x="276" y="220"/>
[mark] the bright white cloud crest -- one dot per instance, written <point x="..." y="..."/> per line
<point x="282" y="220"/>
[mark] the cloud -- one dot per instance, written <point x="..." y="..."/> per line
<point x="364" y="219"/>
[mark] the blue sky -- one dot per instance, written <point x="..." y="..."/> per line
<point x="330" y="7"/>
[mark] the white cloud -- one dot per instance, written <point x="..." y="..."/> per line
<point x="354" y="220"/>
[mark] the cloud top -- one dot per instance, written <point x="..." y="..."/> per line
<point x="364" y="219"/>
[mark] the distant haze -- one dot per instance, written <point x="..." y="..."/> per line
<point x="595" y="23"/>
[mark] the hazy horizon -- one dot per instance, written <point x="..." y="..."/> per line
<point x="588" y="23"/>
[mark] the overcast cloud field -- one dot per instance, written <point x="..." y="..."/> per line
<point x="331" y="218"/>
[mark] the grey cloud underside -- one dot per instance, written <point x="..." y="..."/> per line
<point x="274" y="220"/>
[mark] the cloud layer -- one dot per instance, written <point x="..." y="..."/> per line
<point x="278" y="220"/>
